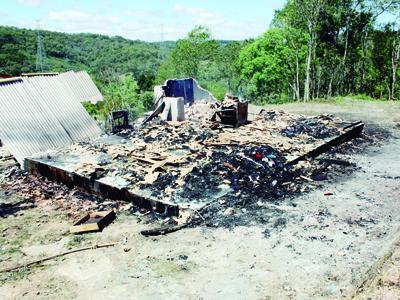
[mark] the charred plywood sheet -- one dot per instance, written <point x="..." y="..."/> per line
<point x="41" y="113"/>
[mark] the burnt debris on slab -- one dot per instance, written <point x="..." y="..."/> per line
<point x="170" y="165"/>
<point x="193" y="153"/>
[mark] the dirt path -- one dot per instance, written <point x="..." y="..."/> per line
<point x="318" y="248"/>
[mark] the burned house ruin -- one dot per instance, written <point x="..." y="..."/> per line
<point x="206" y="152"/>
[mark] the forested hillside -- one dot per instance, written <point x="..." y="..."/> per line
<point x="100" y="55"/>
<point x="321" y="48"/>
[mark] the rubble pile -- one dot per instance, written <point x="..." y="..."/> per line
<point x="259" y="170"/>
<point x="197" y="161"/>
<point x="194" y="162"/>
<point x="43" y="192"/>
<point x="318" y="127"/>
<point x="311" y="126"/>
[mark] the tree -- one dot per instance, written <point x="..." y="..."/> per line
<point x="309" y="11"/>
<point x="190" y="52"/>
<point x="395" y="61"/>
<point x="268" y="63"/>
<point x="395" y="49"/>
<point x="373" y="9"/>
<point x="123" y="94"/>
<point x="341" y="54"/>
<point x="228" y="64"/>
<point x="302" y="15"/>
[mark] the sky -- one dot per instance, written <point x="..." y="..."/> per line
<point x="149" y="20"/>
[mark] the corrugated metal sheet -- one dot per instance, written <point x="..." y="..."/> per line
<point x="41" y="113"/>
<point x="65" y="106"/>
<point x="82" y="86"/>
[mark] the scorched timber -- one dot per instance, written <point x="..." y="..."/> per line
<point x="352" y="131"/>
<point x="72" y="179"/>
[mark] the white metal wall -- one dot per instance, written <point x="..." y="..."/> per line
<point x="82" y="86"/>
<point x="41" y="113"/>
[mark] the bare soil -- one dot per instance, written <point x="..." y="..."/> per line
<point x="312" y="247"/>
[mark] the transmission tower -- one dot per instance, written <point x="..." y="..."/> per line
<point x="41" y="60"/>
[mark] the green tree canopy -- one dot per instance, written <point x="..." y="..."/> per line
<point x="268" y="65"/>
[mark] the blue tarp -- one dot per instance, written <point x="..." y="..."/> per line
<point x="180" y="88"/>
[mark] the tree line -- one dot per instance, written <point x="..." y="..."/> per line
<point x="313" y="49"/>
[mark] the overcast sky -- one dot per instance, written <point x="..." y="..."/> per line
<point x="149" y="20"/>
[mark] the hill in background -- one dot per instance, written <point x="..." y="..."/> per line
<point x="96" y="53"/>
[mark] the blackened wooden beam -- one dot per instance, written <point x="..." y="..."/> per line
<point x="352" y="131"/>
<point x="72" y="179"/>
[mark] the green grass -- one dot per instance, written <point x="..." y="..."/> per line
<point x="364" y="98"/>
<point x="14" y="276"/>
<point x="75" y="241"/>
<point x="335" y="100"/>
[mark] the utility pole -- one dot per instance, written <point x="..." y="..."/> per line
<point x="41" y="60"/>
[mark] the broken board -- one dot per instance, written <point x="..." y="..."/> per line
<point x="93" y="222"/>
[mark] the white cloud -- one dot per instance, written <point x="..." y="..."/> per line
<point x="69" y="15"/>
<point x="198" y="15"/>
<point x="152" y="25"/>
<point x="170" y="21"/>
<point x="75" y="21"/>
<point x="222" y="27"/>
<point x="144" y="14"/>
<point x="29" y="2"/>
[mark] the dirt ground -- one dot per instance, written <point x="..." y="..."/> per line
<point x="321" y="247"/>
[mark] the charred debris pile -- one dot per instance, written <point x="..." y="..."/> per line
<point x="215" y="154"/>
<point x="192" y="158"/>
<point x="190" y="153"/>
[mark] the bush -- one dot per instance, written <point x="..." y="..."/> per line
<point x="95" y="110"/>
<point x="216" y="88"/>
<point x="147" y="100"/>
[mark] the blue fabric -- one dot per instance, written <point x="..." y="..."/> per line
<point x="180" y="88"/>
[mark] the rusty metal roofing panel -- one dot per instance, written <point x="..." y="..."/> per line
<point x="82" y="86"/>
<point x="39" y="74"/>
<point x="41" y="113"/>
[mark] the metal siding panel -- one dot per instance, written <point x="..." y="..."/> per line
<point x="89" y="87"/>
<point x="44" y="112"/>
<point x="82" y="86"/>
<point x="73" y="117"/>
<point x="26" y="128"/>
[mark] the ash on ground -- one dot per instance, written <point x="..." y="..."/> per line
<point x="231" y="176"/>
